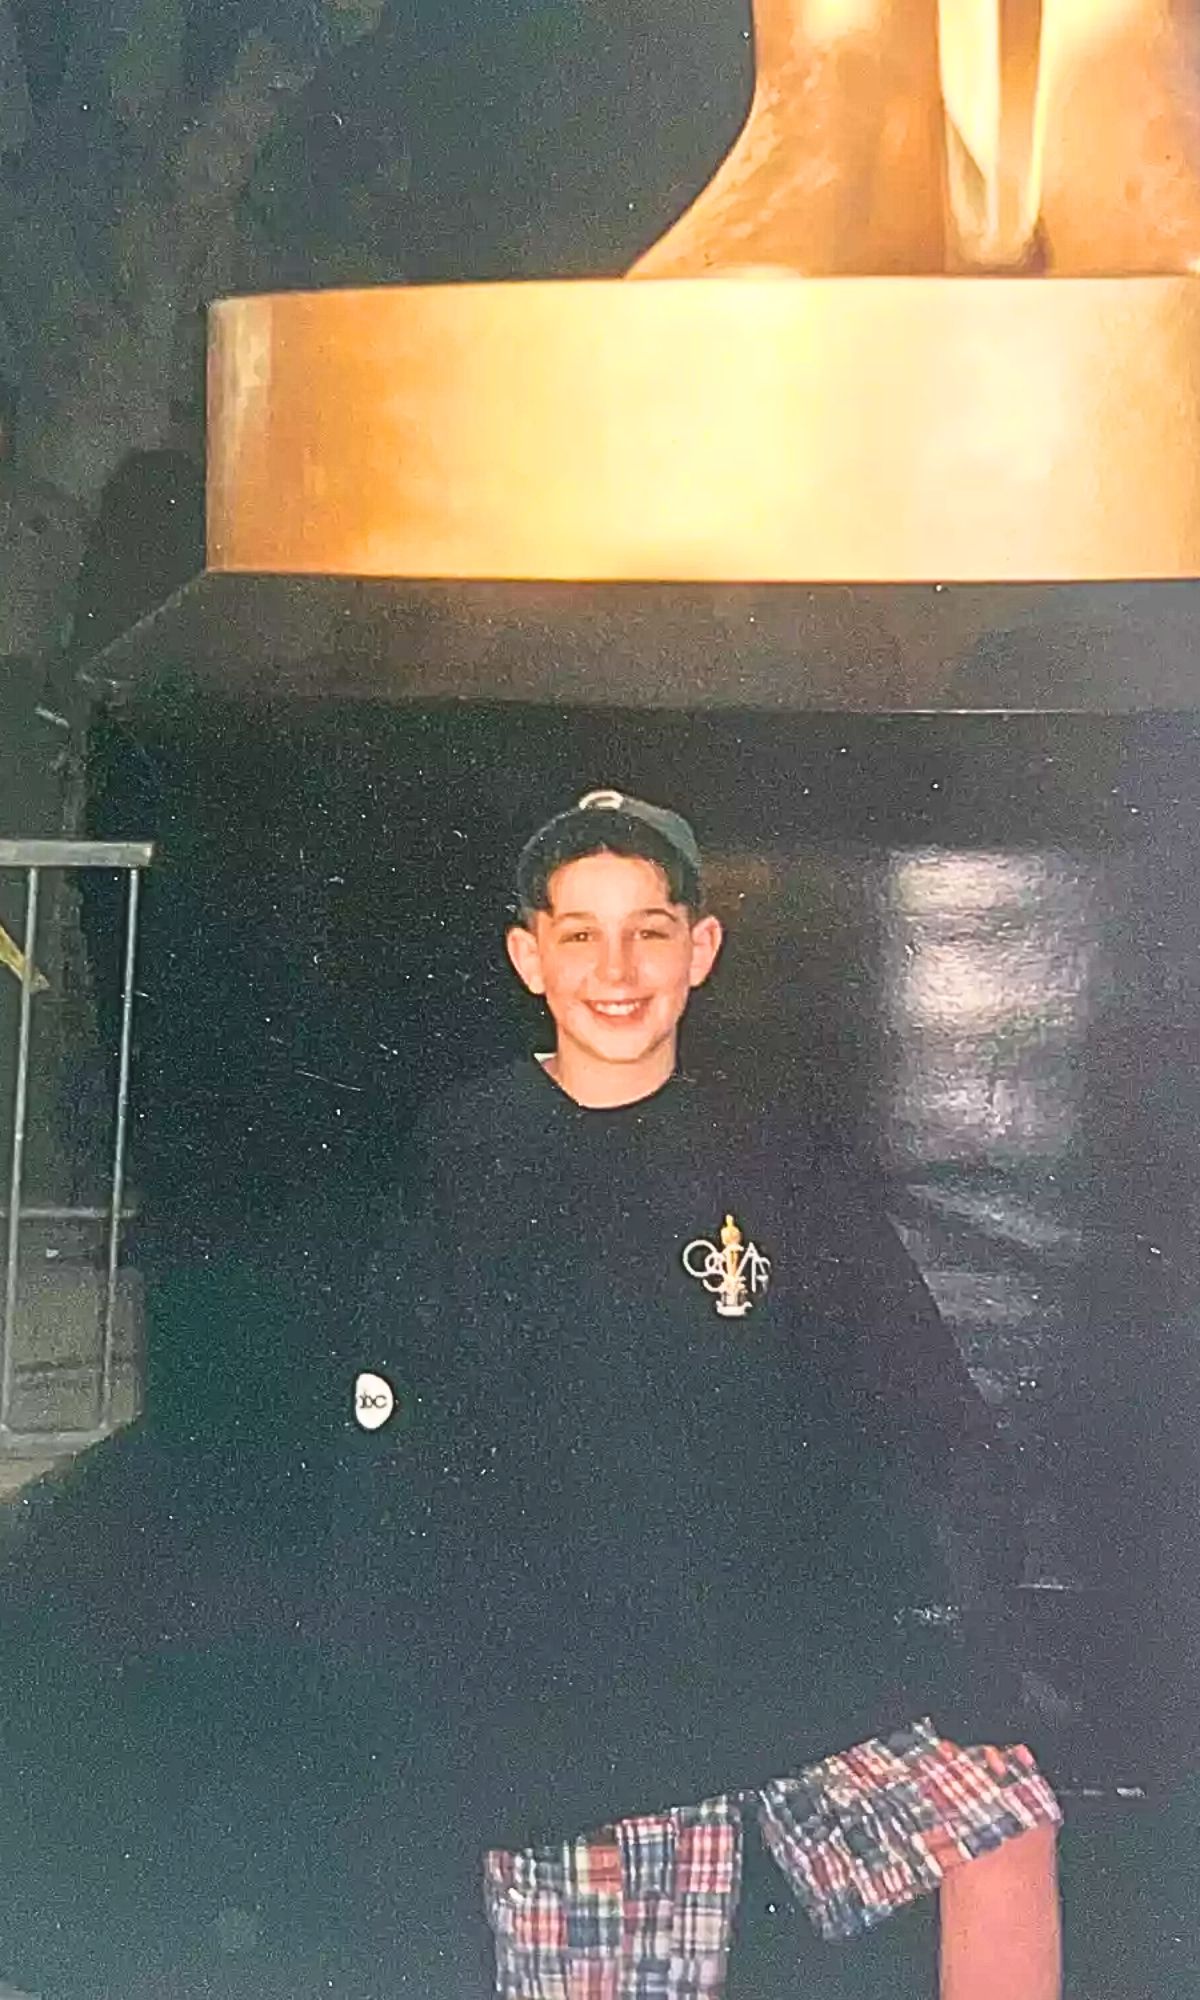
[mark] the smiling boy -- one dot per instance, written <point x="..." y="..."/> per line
<point x="684" y="1419"/>
<point x="615" y="960"/>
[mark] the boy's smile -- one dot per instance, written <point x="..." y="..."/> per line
<point x="616" y="962"/>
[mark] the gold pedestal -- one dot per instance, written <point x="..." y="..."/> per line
<point x="827" y="370"/>
<point x="925" y="429"/>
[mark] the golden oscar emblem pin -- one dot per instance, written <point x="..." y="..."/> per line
<point x="733" y="1271"/>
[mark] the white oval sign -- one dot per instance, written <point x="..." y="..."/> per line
<point x="374" y="1402"/>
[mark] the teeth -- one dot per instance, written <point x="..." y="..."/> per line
<point x="616" y="1007"/>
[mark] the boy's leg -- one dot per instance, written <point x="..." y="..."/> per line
<point x="639" y="1911"/>
<point x="1001" y="1933"/>
<point x="870" y="1830"/>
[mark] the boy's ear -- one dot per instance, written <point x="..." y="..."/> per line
<point x="707" y="938"/>
<point x="525" y="957"/>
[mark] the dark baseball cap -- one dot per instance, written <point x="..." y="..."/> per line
<point x="652" y="831"/>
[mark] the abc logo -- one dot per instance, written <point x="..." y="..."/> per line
<point x="374" y="1402"/>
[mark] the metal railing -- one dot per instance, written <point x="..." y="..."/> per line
<point x="34" y="857"/>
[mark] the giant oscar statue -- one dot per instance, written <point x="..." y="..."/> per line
<point x="1056" y="137"/>
<point x="956" y="338"/>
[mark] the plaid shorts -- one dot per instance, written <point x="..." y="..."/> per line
<point x="644" y="1910"/>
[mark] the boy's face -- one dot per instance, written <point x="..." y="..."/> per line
<point x="614" y="959"/>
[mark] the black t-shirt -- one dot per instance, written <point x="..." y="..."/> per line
<point x="641" y="1551"/>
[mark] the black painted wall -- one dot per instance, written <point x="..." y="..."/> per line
<point x="973" y="940"/>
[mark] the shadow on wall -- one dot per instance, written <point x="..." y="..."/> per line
<point x="146" y="541"/>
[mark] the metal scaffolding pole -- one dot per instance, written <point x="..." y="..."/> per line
<point x="34" y="857"/>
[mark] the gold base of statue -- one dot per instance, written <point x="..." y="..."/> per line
<point x="934" y="319"/>
<point x="787" y="429"/>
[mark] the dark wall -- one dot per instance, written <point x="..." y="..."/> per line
<point x="39" y="792"/>
<point x="970" y="940"/>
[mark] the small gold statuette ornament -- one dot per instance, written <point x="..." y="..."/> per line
<point x="733" y="1270"/>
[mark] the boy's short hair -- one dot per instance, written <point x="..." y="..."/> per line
<point x="611" y="823"/>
